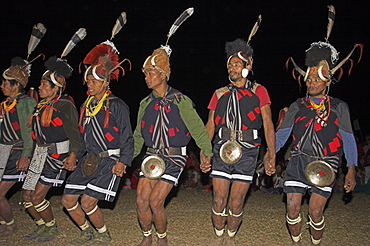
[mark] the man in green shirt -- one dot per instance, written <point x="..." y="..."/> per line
<point x="166" y="121"/>
<point x="16" y="143"/>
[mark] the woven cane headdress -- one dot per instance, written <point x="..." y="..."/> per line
<point x="58" y="70"/>
<point x="159" y="59"/>
<point x="240" y="48"/>
<point x="20" y="69"/>
<point x="322" y="57"/>
<point x="103" y="59"/>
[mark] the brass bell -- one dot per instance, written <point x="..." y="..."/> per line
<point x="319" y="173"/>
<point x="153" y="167"/>
<point x="230" y="152"/>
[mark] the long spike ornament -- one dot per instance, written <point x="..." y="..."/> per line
<point x="120" y="22"/>
<point x="255" y="28"/>
<point x="76" y="38"/>
<point x="331" y="18"/>
<point x="38" y="32"/>
<point x="181" y="19"/>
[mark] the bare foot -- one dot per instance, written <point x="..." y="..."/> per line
<point x="9" y="230"/>
<point x="162" y="241"/>
<point x="218" y="241"/>
<point x="229" y="241"/>
<point x="147" y="241"/>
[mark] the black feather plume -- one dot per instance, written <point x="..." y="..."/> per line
<point x="18" y="61"/>
<point x="236" y="46"/>
<point x="60" y="66"/>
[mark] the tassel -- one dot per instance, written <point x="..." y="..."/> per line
<point x="37" y="34"/>
<point x="82" y="113"/>
<point x="106" y="118"/>
<point x="255" y="28"/>
<point x="331" y="18"/>
<point x="281" y="118"/>
<point x="46" y="116"/>
<point x="29" y="122"/>
<point x="120" y="22"/>
<point x="107" y="114"/>
<point x="181" y="19"/>
<point x="76" y="38"/>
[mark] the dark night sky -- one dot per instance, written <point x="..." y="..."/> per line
<point x="198" y="60"/>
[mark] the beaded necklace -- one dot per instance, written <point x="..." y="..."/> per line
<point x="92" y="111"/>
<point x="12" y="102"/>
<point x="322" y="111"/>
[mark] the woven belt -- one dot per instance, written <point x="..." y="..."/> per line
<point x="243" y="135"/>
<point x="109" y="152"/>
<point x="57" y="148"/>
<point x="169" y="150"/>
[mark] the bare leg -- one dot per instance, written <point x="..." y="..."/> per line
<point x="219" y="211"/>
<point x="293" y="208"/>
<point x="37" y="197"/>
<point x="316" y="211"/>
<point x="9" y="227"/>
<point x="157" y="199"/>
<point x="5" y="210"/>
<point x="77" y="214"/>
<point x="144" y="213"/>
<point x="220" y="195"/>
<point x="236" y="202"/>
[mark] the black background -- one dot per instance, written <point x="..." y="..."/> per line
<point x="198" y="61"/>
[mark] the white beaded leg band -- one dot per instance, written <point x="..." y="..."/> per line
<point x="297" y="238"/>
<point x="92" y="211"/>
<point x="102" y="230"/>
<point x="27" y="204"/>
<point x="40" y="222"/>
<point x="163" y="235"/>
<point x="73" y="208"/>
<point x="147" y="233"/>
<point x="231" y="233"/>
<point x="314" y="225"/>
<point x="293" y="221"/>
<point x="219" y="233"/>
<point x="42" y="206"/>
<point x="84" y="226"/>
<point x="10" y="222"/>
<point x="315" y="241"/>
<point x="223" y="213"/>
<point x="235" y="215"/>
<point x="50" y="223"/>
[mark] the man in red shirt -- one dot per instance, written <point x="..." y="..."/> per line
<point x="236" y="113"/>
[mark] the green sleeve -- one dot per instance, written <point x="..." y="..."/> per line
<point x="69" y="117"/>
<point x="195" y="125"/>
<point x="138" y="138"/>
<point x="25" y="107"/>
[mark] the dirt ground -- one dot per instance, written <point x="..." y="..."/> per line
<point x="189" y="220"/>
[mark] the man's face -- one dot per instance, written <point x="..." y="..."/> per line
<point x="153" y="78"/>
<point x="8" y="89"/>
<point x="46" y="91"/>
<point x="234" y="68"/>
<point x="316" y="87"/>
<point x="95" y="87"/>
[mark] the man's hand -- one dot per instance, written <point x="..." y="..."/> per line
<point x="22" y="164"/>
<point x="269" y="163"/>
<point x="350" y="180"/>
<point x="119" y="169"/>
<point x="69" y="163"/>
<point x="205" y="162"/>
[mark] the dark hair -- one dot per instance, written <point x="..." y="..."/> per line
<point x="13" y="82"/>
